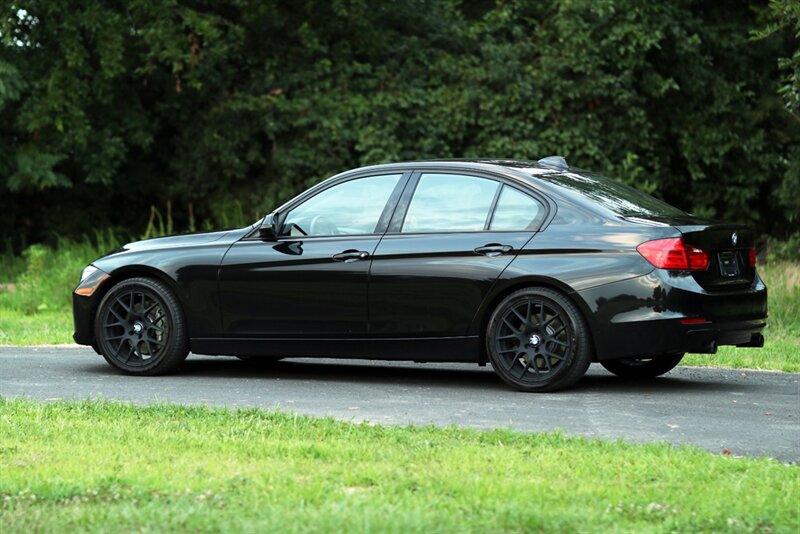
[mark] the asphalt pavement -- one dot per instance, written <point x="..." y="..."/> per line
<point x="749" y="413"/>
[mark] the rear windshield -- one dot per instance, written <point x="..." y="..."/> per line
<point x="621" y="199"/>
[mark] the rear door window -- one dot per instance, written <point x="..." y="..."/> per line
<point x="450" y="203"/>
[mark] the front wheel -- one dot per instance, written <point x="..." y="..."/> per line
<point x="643" y="367"/>
<point x="140" y="329"/>
<point x="537" y="341"/>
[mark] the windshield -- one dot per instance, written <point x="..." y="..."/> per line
<point x="619" y="198"/>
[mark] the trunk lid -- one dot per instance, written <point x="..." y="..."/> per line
<point x="728" y="246"/>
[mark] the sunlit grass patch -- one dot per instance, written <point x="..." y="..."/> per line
<point x="113" y="467"/>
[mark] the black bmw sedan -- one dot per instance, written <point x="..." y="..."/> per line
<point x="535" y="267"/>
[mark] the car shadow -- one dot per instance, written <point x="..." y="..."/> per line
<point x="413" y="375"/>
<point x="596" y="383"/>
<point x="442" y="376"/>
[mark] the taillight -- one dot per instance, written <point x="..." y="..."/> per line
<point x="751" y="257"/>
<point x="674" y="255"/>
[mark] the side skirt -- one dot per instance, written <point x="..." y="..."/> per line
<point x="440" y="349"/>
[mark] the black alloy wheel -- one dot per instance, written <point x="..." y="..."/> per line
<point x="140" y="328"/>
<point x="643" y="367"/>
<point x="537" y="341"/>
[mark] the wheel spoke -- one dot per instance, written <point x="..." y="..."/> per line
<point x="513" y="328"/>
<point x="554" y="334"/>
<point x="118" y="316"/>
<point x="131" y="352"/>
<point x="155" y="341"/>
<point x="557" y="342"/>
<point x="550" y="320"/>
<point x="123" y="305"/>
<point x="553" y="355"/>
<point x="521" y="318"/>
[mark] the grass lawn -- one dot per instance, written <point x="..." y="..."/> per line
<point x="43" y="328"/>
<point x="781" y="354"/>
<point x="112" y="467"/>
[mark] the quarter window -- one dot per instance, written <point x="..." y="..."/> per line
<point x="352" y="207"/>
<point x="516" y="211"/>
<point x="450" y="203"/>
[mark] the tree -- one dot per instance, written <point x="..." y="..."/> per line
<point x="113" y="108"/>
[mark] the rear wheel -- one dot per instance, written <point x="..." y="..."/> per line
<point x="538" y="341"/>
<point x="643" y="367"/>
<point x="140" y="329"/>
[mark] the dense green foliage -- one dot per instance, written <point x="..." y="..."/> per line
<point x="224" y="108"/>
<point x="107" y="467"/>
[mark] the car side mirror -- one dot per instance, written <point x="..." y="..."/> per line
<point x="269" y="227"/>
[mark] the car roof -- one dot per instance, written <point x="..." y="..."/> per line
<point x="531" y="167"/>
<point x="522" y="170"/>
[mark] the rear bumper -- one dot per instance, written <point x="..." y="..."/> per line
<point x="646" y="316"/>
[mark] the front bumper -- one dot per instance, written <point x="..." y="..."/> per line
<point x="83" y="320"/>
<point x="85" y="300"/>
<point x="664" y="313"/>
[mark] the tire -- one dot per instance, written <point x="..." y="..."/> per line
<point x="643" y="367"/>
<point x="140" y="328"/>
<point x="537" y="341"/>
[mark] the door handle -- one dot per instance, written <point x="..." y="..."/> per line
<point x="493" y="249"/>
<point x="351" y="255"/>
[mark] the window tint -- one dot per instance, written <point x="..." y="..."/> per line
<point x="352" y="207"/>
<point x="568" y="214"/>
<point x="450" y="203"/>
<point x="516" y="211"/>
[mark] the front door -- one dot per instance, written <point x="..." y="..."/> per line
<point x="312" y="281"/>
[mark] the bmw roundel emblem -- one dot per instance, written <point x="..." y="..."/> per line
<point x="734" y="239"/>
<point x="535" y="340"/>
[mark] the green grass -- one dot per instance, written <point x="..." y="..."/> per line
<point x="43" y="328"/>
<point x="112" y="467"/>
<point x="38" y="312"/>
<point x="777" y="355"/>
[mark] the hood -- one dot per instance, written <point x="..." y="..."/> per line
<point x="224" y="237"/>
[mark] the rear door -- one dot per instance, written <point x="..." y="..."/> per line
<point x="451" y="236"/>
